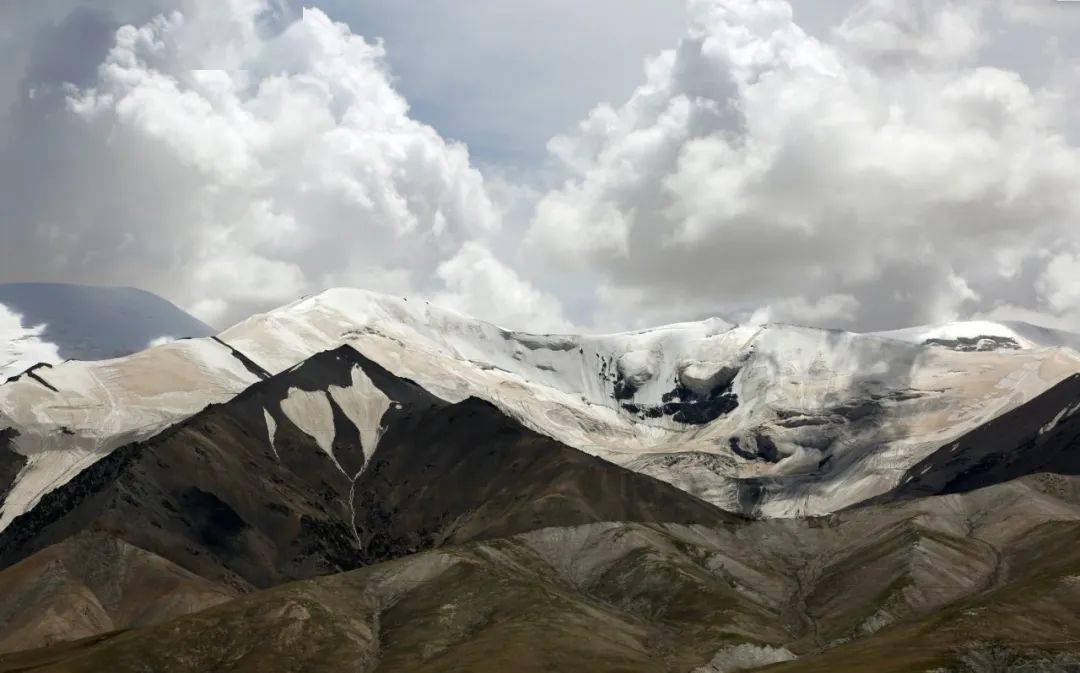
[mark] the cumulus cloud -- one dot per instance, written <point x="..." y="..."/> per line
<point x="235" y="155"/>
<point x="831" y="310"/>
<point x="899" y="31"/>
<point x="872" y="164"/>
<point x="160" y="341"/>
<point x="22" y="346"/>
<point x="479" y="284"/>
<point x="300" y="163"/>
<point x="758" y="164"/>
<point x="1060" y="282"/>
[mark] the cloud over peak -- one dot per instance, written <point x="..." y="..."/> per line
<point x="289" y="160"/>
<point x="869" y="165"/>
<point x="759" y="163"/>
<point x="304" y="166"/>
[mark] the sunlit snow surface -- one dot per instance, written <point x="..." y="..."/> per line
<point x="99" y="406"/>
<point x="791" y="383"/>
<point x="824" y="418"/>
<point x="1025" y="334"/>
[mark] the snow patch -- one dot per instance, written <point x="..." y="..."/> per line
<point x="1066" y="412"/>
<point x="312" y="413"/>
<point x="364" y="404"/>
<point x="271" y="430"/>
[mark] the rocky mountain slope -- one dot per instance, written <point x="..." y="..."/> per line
<point x="1042" y="435"/>
<point x="92" y="583"/>
<point x="328" y="466"/>
<point x="357" y="482"/>
<point x="768" y="420"/>
<point x="901" y="587"/>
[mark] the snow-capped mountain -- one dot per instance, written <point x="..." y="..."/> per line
<point x="985" y="335"/>
<point x="354" y="463"/>
<point x="52" y="322"/>
<point x="774" y="420"/>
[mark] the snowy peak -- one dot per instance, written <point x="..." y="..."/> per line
<point x="811" y="419"/>
<point x="329" y="465"/>
<point x="984" y="335"/>
<point x="775" y="420"/>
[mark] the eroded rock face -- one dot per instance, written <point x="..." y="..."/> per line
<point x="92" y="583"/>
<point x="976" y="344"/>
<point x="703" y="392"/>
<point x="940" y="573"/>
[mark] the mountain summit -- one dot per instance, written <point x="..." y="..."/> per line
<point x="769" y="420"/>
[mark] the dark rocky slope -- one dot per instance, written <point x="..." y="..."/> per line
<point x="460" y="472"/>
<point x="912" y="586"/>
<point x="212" y="494"/>
<point x="1040" y="436"/>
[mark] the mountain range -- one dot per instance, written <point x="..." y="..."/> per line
<point x="362" y="482"/>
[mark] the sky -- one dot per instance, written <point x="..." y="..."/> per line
<point x="552" y="165"/>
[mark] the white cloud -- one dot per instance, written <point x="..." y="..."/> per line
<point x="296" y="161"/>
<point x="161" y="341"/>
<point x="479" y="284"/>
<point x="929" y="31"/>
<point x="835" y="309"/>
<point x="758" y="164"/>
<point x="1060" y="283"/>
<point x="898" y="162"/>
<point x="1045" y="15"/>
<point x="949" y="305"/>
<point x="21" y="346"/>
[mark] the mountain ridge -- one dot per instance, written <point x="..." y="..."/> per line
<point x="358" y="479"/>
<point x="799" y="421"/>
<point x="249" y="503"/>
